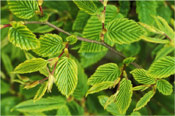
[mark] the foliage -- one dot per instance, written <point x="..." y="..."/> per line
<point x="87" y="57"/>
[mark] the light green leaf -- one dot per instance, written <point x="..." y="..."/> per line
<point x="128" y="60"/>
<point x="164" y="87"/>
<point x="100" y="86"/>
<point x="141" y="77"/>
<point x="66" y="76"/>
<point x="124" y="31"/>
<point x="44" y="104"/>
<point x="86" y="6"/>
<point x="144" y="100"/>
<point x="140" y="87"/>
<point x="112" y="108"/>
<point x="20" y="36"/>
<point x="27" y="8"/>
<point x="146" y="11"/>
<point x="106" y="72"/>
<point x="41" y="91"/>
<point x="72" y="39"/>
<point x="63" y="111"/>
<point x="164" y="51"/>
<point x="80" y="21"/>
<point x="163" y="67"/>
<point x="124" y="96"/>
<point x="32" y="65"/>
<point x="163" y="26"/>
<point x="93" y="29"/>
<point x="50" y="44"/>
<point x="154" y="40"/>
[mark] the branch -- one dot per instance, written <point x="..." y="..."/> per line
<point x="82" y="39"/>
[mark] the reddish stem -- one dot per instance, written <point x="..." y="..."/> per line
<point x="40" y="81"/>
<point x="6" y="25"/>
<point x="41" y="10"/>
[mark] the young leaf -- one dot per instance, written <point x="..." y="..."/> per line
<point x="50" y="44"/>
<point x="120" y="31"/>
<point x="4" y="87"/>
<point x="66" y="76"/>
<point x="87" y="6"/>
<point x="22" y="37"/>
<point x="106" y="72"/>
<point x="100" y="86"/>
<point x="164" y="51"/>
<point x="140" y="87"/>
<point x="44" y="104"/>
<point x="164" y="87"/>
<point x="128" y="60"/>
<point x="112" y="108"/>
<point x="144" y="100"/>
<point x="72" y="39"/>
<point x="124" y="96"/>
<point x="32" y="65"/>
<point x="146" y="11"/>
<point x="63" y="111"/>
<point x="27" y="8"/>
<point x="141" y="77"/>
<point x="163" y="26"/>
<point x="135" y="114"/>
<point x="163" y="67"/>
<point x="41" y="91"/>
<point x="154" y="40"/>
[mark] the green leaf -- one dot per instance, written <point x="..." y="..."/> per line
<point x="32" y="65"/>
<point x="5" y="87"/>
<point x="50" y="44"/>
<point x="164" y="51"/>
<point x="93" y="29"/>
<point x="92" y="58"/>
<point x="164" y="87"/>
<point x="80" y="21"/>
<point x="124" y="31"/>
<point x="7" y="64"/>
<point x="112" y="108"/>
<point x="27" y="8"/>
<point x="71" y="39"/>
<point x="163" y="67"/>
<point x="63" y="111"/>
<point x="46" y="28"/>
<point x="66" y="76"/>
<point x="144" y="100"/>
<point x="75" y="108"/>
<point x="146" y="11"/>
<point x="124" y="7"/>
<point x="135" y="114"/>
<point x="82" y="86"/>
<point x="106" y="72"/>
<point x="154" y="40"/>
<point x="20" y="36"/>
<point x="128" y="60"/>
<point x="100" y="86"/>
<point x="141" y="77"/>
<point x="44" y="104"/>
<point x="41" y="91"/>
<point x="163" y="26"/>
<point x="124" y="96"/>
<point x="86" y="6"/>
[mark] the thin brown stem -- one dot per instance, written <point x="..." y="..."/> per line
<point x="82" y="39"/>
